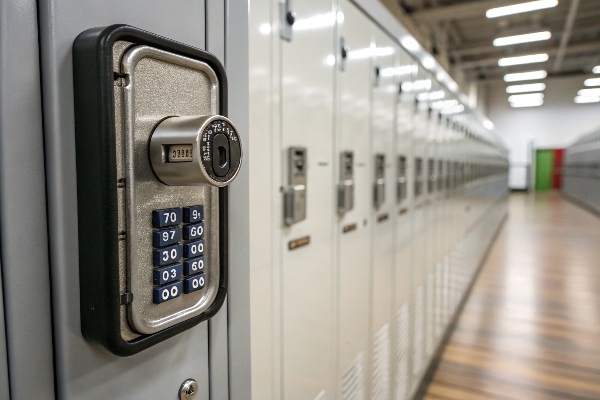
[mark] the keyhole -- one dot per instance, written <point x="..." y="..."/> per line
<point x="222" y="156"/>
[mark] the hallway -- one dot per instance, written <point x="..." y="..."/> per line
<point x="531" y="326"/>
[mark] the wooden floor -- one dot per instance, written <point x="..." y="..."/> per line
<point x="531" y="327"/>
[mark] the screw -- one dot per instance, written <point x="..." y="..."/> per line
<point x="188" y="389"/>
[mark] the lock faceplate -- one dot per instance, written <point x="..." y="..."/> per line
<point x="379" y="190"/>
<point x="346" y="185"/>
<point x="294" y="207"/>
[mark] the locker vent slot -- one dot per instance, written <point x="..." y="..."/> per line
<point x="381" y="364"/>
<point x="429" y="316"/>
<point x="418" y="331"/>
<point x="353" y="381"/>
<point x="402" y="349"/>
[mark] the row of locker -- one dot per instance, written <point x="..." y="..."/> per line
<point x="581" y="171"/>
<point x="383" y="194"/>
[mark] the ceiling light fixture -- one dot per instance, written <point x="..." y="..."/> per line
<point x="589" y="92"/>
<point x="519" y="98"/>
<point x="526" y="38"/>
<point x="596" y="69"/>
<point x="522" y="104"/>
<point x="587" y="99"/>
<point x="529" y="87"/>
<point x="592" y="82"/>
<point x="530" y="59"/>
<point x="520" y="8"/>
<point x="525" y="76"/>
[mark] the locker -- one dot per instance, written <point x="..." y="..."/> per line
<point x="307" y="271"/>
<point x="353" y="224"/>
<point x="384" y="89"/>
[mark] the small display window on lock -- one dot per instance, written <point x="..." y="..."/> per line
<point x="179" y="153"/>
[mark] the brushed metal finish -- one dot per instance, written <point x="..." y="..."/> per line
<point x="162" y="84"/>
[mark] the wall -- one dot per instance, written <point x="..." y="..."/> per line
<point x="556" y="124"/>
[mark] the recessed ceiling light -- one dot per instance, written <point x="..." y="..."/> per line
<point x="410" y="43"/>
<point x="529" y="87"/>
<point x="589" y="92"/>
<point x="525" y="76"/>
<point x="587" y="99"/>
<point x="596" y="69"/>
<point x="530" y="59"/>
<point x="519" y="98"/>
<point x="488" y="124"/>
<point x="592" y="82"/>
<point x="520" y="8"/>
<point x="526" y="38"/>
<point x="521" y="104"/>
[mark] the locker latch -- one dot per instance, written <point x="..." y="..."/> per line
<point x="379" y="195"/>
<point x="346" y="185"/>
<point x="295" y="194"/>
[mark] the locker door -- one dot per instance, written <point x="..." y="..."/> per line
<point x="353" y="226"/>
<point x="421" y="86"/>
<point x="403" y="165"/>
<point x="84" y="370"/>
<point x="4" y="393"/>
<point x="307" y="63"/>
<point x="383" y="154"/>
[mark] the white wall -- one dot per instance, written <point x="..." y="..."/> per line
<point x="556" y="124"/>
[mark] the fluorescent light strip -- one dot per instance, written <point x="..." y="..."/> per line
<point x="596" y="69"/>
<point x="533" y="58"/>
<point x="520" y="8"/>
<point x="592" y="82"/>
<point x="519" y="98"/>
<point x="526" y="38"/>
<point x="523" y="104"/>
<point x="587" y="99"/>
<point x="589" y="92"/>
<point x="529" y="87"/>
<point x="525" y="76"/>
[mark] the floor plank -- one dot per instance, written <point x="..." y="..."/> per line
<point x="531" y="326"/>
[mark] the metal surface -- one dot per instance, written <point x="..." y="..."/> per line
<point x="161" y="84"/>
<point x="27" y="328"/>
<point x="188" y="389"/>
<point x="4" y="382"/>
<point x="294" y="208"/>
<point x="193" y="133"/>
<point x="83" y="370"/>
<point x="346" y="185"/>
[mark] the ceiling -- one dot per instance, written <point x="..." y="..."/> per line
<point x="459" y="34"/>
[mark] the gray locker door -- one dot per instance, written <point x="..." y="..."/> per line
<point x="4" y="384"/>
<point x="23" y="229"/>
<point x="84" y="370"/>
<point x="353" y="227"/>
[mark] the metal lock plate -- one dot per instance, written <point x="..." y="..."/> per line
<point x="418" y="176"/>
<point x="346" y="185"/>
<point x="379" y="192"/>
<point x="295" y="193"/>
<point x="401" y="185"/>
<point x="127" y="83"/>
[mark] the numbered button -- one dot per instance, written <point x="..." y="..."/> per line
<point x="194" y="283"/>
<point x="167" y="274"/>
<point x="193" y="249"/>
<point x="193" y="266"/>
<point x="167" y="255"/>
<point x="164" y="218"/>
<point x="166" y="237"/>
<point x="193" y="214"/>
<point x="192" y="232"/>
<point x="167" y="292"/>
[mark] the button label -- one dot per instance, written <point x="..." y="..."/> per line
<point x="194" y="283"/>
<point x="168" y="217"/>
<point x="167" y="255"/>
<point x="193" y="266"/>
<point x="167" y="274"/>
<point x="167" y="292"/>
<point x="193" y="214"/>
<point x="191" y="232"/>
<point x="166" y="237"/>
<point x="193" y="249"/>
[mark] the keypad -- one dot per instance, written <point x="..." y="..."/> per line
<point x="178" y="241"/>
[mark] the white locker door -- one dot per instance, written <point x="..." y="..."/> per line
<point x="353" y="227"/>
<point x="404" y="194"/>
<point x="421" y="86"/>
<point x="307" y="271"/>
<point x="382" y="128"/>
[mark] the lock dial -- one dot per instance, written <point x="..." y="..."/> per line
<point x="196" y="150"/>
